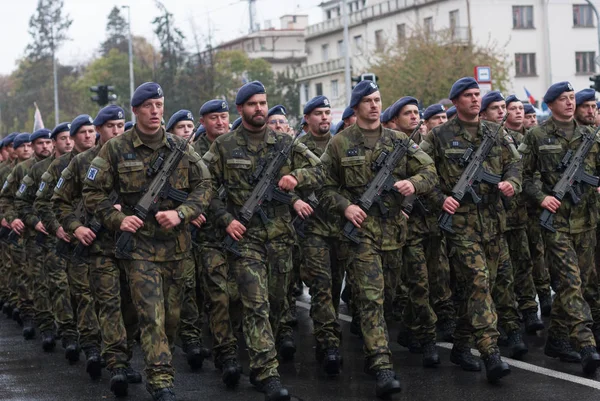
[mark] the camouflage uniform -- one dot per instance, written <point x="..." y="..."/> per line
<point x="378" y="257"/>
<point x="571" y="249"/>
<point x="156" y="269"/>
<point x="107" y="280"/>
<point x="262" y="273"/>
<point x="476" y="247"/>
<point x="10" y="294"/>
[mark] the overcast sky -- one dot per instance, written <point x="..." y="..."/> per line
<point x="228" y="20"/>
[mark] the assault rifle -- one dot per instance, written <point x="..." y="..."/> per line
<point x="573" y="175"/>
<point x="159" y="189"/>
<point x="382" y="183"/>
<point x="63" y="248"/>
<point x="265" y="190"/>
<point x="474" y="174"/>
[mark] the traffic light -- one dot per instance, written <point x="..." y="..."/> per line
<point x="103" y="94"/>
<point x="368" y="76"/>
<point x="596" y="80"/>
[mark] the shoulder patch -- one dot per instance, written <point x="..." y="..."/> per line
<point x="5" y="185"/>
<point x="22" y="188"/>
<point x="59" y="183"/>
<point x="92" y="173"/>
<point x="42" y="186"/>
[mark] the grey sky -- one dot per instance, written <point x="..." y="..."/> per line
<point x="228" y="20"/>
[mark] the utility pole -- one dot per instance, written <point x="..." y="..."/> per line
<point x="347" y="77"/>
<point x="55" y="74"/>
<point x="131" y="82"/>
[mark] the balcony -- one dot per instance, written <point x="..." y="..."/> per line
<point x="321" y="69"/>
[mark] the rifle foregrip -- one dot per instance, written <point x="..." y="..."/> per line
<point x="445" y="222"/>
<point x="230" y="245"/>
<point x="350" y="232"/>
<point x="123" y="246"/>
<point x="546" y="220"/>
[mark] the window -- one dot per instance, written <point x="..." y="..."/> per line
<point x="523" y="17"/>
<point x="305" y="92"/>
<point x="261" y="41"/>
<point x="454" y="23"/>
<point x="428" y="25"/>
<point x="325" y="52"/>
<point x="334" y="89"/>
<point x="584" y="62"/>
<point x="582" y="15"/>
<point x="401" y="32"/>
<point x="525" y="64"/>
<point x="358" y="44"/>
<point x="318" y="89"/>
<point x="328" y="14"/>
<point x="379" y="40"/>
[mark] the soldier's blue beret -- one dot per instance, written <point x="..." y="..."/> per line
<point x="598" y="105"/>
<point x="181" y="115"/>
<point x="147" y="90"/>
<point x="510" y="99"/>
<point x="41" y="133"/>
<point x="555" y="90"/>
<point x="236" y="123"/>
<point x="433" y="110"/>
<point x="62" y="127"/>
<point x="108" y="113"/>
<point x="394" y="109"/>
<point x="335" y="128"/>
<point x="248" y="90"/>
<point x="214" y="106"/>
<point x="462" y="85"/>
<point x="201" y="130"/>
<point x="362" y="89"/>
<point x="385" y="116"/>
<point x="490" y="97"/>
<point x="21" y="139"/>
<point x="128" y="125"/>
<point x="80" y="121"/>
<point x="451" y="112"/>
<point x="278" y="110"/>
<point x="348" y="112"/>
<point x="10" y="138"/>
<point x="315" y="103"/>
<point x="585" y="95"/>
<point x="529" y="109"/>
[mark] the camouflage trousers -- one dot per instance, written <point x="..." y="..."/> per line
<point x="39" y="286"/>
<point x="21" y="278"/>
<point x="419" y="316"/>
<point x="60" y="294"/>
<point x="323" y="274"/>
<point x="540" y="272"/>
<point x="192" y="308"/>
<point x="4" y="271"/>
<point x="11" y="289"/>
<point x="475" y="264"/>
<point x="524" y="287"/>
<point x="576" y="305"/>
<point x="85" y="307"/>
<point x="262" y="275"/>
<point x="116" y="313"/>
<point x="224" y="305"/>
<point x="438" y="266"/>
<point x="286" y="324"/>
<point x="373" y="274"/>
<point x="157" y="294"/>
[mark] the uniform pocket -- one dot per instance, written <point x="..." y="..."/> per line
<point x="354" y="171"/>
<point x="131" y="176"/>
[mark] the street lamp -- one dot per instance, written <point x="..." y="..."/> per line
<point x="131" y="85"/>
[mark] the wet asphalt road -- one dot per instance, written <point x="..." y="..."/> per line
<point x="29" y="374"/>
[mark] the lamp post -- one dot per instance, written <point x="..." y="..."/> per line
<point x="131" y="84"/>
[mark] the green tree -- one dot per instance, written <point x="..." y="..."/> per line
<point x="116" y="33"/>
<point x="48" y="29"/>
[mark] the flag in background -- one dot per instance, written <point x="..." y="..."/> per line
<point x="38" y="123"/>
<point x="529" y="96"/>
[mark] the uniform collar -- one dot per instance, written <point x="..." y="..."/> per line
<point x="137" y="142"/>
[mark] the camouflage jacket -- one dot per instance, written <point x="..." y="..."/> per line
<point x="202" y="145"/>
<point x="26" y="194"/>
<point x="516" y="206"/>
<point x="232" y="159"/>
<point x="446" y="144"/>
<point x="12" y="185"/>
<point x="543" y="149"/>
<point x="123" y="164"/>
<point x="5" y="170"/>
<point x="43" y="197"/>
<point x="348" y="165"/>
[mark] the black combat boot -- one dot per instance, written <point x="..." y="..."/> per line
<point x="518" y="349"/>
<point x="16" y="316"/>
<point x="430" y="355"/>
<point x="561" y="348"/>
<point x="164" y="394"/>
<point x="502" y="338"/>
<point x="446" y="330"/>
<point x="332" y="361"/>
<point x="533" y="323"/>
<point x="48" y="341"/>
<point x="119" y="382"/>
<point x="193" y="354"/>
<point x="231" y="372"/>
<point x="133" y="376"/>
<point x="7" y="309"/>
<point x="495" y="368"/>
<point x="93" y="365"/>
<point x="28" y="329"/>
<point x="545" y="304"/>
<point x="387" y="383"/>
<point x="462" y="357"/>
<point x="287" y="348"/>
<point x="590" y="360"/>
<point x="71" y="349"/>
<point x="274" y="390"/>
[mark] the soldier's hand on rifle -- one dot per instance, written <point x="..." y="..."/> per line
<point x="17" y="226"/>
<point x="85" y="235"/>
<point x="287" y="183"/>
<point x="198" y="221"/>
<point x="303" y="209"/>
<point x="450" y="205"/>
<point x="355" y="215"/>
<point x="61" y="234"/>
<point x="40" y="227"/>
<point x="506" y="188"/>
<point x="5" y="223"/>
<point x="405" y="187"/>
<point x="550" y="203"/>
<point x="236" y="230"/>
<point x="168" y="218"/>
<point x="132" y="224"/>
